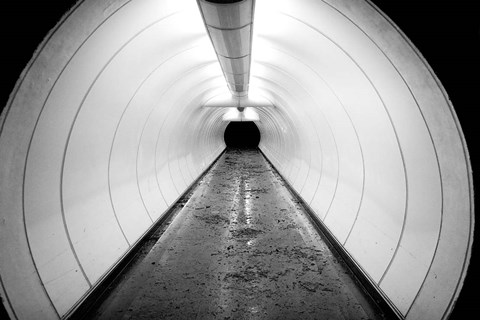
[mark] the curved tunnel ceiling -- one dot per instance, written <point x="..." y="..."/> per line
<point x="109" y="126"/>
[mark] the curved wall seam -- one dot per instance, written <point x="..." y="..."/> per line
<point x="433" y="145"/>
<point x="120" y="122"/>
<point x="438" y="166"/>
<point x="162" y="125"/>
<point x="393" y="128"/>
<point x="310" y="120"/>
<point x="325" y="214"/>
<point x="79" y="110"/>
<point x="357" y="138"/>
<point x="18" y="84"/>
<point x="68" y="141"/>
<point x="146" y="122"/>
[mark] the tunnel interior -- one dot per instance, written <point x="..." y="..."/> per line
<point x="242" y="135"/>
<point x="116" y="115"/>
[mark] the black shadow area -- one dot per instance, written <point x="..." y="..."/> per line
<point x="242" y="135"/>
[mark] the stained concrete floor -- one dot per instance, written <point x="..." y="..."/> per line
<point x="241" y="247"/>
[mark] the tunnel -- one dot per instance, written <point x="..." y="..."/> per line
<point x="117" y="114"/>
<point x="243" y="135"/>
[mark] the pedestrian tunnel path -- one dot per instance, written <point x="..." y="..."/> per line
<point x="120" y="111"/>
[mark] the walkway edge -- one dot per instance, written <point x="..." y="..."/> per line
<point x="96" y="294"/>
<point x="364" y="281"/>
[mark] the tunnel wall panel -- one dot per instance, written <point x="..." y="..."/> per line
<point x="89" y="233"/>
<point x="394" y="242"/>
<point x="422" y="170"/>
<point x="433" y="104"/>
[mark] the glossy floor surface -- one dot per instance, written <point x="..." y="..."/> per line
<point x="241" y="247"/>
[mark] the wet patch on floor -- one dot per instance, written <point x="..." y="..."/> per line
<point x="245" y="232"/>
<point x="212" y="219"/>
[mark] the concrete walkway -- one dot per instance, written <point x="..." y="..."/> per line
<point x="241" y="248"/>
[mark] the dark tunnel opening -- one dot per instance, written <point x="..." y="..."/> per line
<point x="242" y="135"/>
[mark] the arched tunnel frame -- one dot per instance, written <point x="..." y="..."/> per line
<point x="93" y="152"/>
